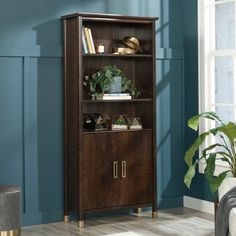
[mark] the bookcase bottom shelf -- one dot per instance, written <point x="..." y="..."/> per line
<point x="116" y="131"/>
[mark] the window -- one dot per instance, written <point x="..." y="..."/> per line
<point x="217" y="60"/>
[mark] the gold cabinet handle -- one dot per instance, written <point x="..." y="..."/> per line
<point x="123" y="169"/>
<point x="115" y="169"/>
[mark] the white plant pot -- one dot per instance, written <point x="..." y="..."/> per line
<point x="116" y="86"/>
<point x="226" y="185"/>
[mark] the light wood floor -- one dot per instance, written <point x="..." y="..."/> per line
<point x="169" y="223"/>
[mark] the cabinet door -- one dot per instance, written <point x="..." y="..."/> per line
<point x="139" y="168"/>
<point x="131" y="152"/>
<point x="101" y="158"/>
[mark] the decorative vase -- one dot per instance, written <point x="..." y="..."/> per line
<point x="116" y="86"/>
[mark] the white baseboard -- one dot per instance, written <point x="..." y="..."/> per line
<point x="198" y="204"/>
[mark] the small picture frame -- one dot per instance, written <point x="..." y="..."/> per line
<point x="100" y="48"/>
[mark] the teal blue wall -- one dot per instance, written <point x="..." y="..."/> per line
<point x="31" y="98"/>
<point x="199" y="188"/>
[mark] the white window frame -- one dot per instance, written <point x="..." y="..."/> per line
<point x="206" y="55"/>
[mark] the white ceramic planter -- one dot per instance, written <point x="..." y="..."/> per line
<point x="226" y="185"/>
<point x="116" y="86"/>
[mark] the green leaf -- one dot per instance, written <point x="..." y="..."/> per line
<point x="225" y="159"/>
<point x="189" y="175"/>
<point x="92" y="87"/>
<point x="193" y="122"/>
<point x="214" y="131"/>
<point x="229" y="130"/>
<point x="204" y="151"/>
<point x="230" y="158"/>
<point x="108" y="74"/>
<point x="225" y="154"/>
<point x="215" y="182"/>
<point x="192" y="150"/>
<point x="210" y="166"/>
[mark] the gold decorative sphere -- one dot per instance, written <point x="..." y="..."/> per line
<point x="131" y="42"/>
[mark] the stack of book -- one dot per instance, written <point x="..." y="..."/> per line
<point x="87" y="40"/>
<point x="114" y="96"/>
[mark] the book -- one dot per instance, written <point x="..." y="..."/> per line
<point x="90" y="49"/>
<point x="114" y="97"/>
<point x="84" y="42"/>
<point x="91" y="40"/>
<point x="86" y="39"/>
<point x="117" y="98"/>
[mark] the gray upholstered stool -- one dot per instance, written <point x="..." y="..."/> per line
<point x="9" y="210"/>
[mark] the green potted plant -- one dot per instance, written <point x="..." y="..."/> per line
<point x="226" y="153"/>
<point x="103" y="81"/>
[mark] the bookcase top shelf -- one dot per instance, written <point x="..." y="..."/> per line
<point x="107" y="17"/>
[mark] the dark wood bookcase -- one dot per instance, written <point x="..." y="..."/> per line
<point x="108" y="170"/>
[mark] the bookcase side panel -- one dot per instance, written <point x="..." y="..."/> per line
<point x="71" y="98"/>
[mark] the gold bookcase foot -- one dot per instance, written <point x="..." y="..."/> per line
<point x="154" y="214"/>
<point x="81" y="223"/>
<point x="66" y="219"/>
<point x="15" y="232"/>
<point x="138" y="210"/>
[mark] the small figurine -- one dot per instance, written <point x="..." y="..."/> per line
<point x="100" y="48"/>
<point x="100" y="125"/>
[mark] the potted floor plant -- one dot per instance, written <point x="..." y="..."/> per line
<point x="107" y="80"/>
<point x="223" y="150"/>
